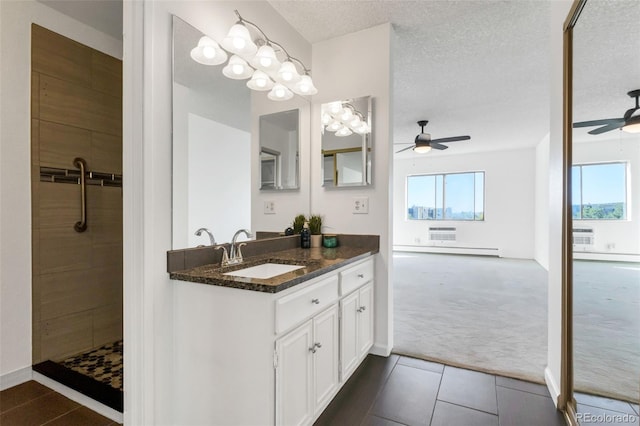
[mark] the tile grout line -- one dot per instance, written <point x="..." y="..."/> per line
<point x="495" y="381"/>
<point x="433" y="410"/>
<point x="29" y="401"/>
<point x="468" y="408"/>
<point x="380" y="391"/>
<point x="61" y="415"/>
<point x="609" y="409"/>
<point x="521" y="390"/>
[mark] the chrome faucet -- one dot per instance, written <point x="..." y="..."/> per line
<point x="235" y="256"/>
<point x="212" y="240"/>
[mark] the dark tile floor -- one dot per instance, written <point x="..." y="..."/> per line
<point x="32" y="404"/>
<point x="405" y="391"/>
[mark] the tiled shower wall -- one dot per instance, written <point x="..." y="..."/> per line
<point x="76" y="111"/>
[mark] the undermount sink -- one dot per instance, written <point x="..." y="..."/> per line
<point x="264" y="271"/>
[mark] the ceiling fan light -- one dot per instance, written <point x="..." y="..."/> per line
<point x="422" y="149"/>
<point x="280" y="93"/>
<point x="208" y="52"/>
<point x="238" y="41"/>
<point x="344" y="131"/>
<point x="237" y="69"/>
<point x="632" y="125"/>
<point x="260" y="81"/>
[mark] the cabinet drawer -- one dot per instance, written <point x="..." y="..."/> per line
<point x="354" y="277"/>
<point x="302" y="304"/>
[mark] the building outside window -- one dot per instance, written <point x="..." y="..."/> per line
<point x="450" y="196"/>
<point x="599" y="191"/>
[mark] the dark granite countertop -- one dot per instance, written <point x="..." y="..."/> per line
<point x="316" y="261"/>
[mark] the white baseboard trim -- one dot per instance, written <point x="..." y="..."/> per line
<point x="552" y="386"/>
<point x="449" y="250"/>
<point x="610" y="257"/>
<point x="81" y="399"/>
<point x="15" y="378"/>
<point x="380" y="350"/>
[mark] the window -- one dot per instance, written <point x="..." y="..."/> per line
<point x="453" y="196"/>
<point x="599" y="191"/>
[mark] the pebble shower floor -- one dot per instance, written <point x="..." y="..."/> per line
<point x="103" y="364"/>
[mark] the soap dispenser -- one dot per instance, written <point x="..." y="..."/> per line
<point x="305" y="236"/>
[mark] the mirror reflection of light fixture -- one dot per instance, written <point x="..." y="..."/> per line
<point x="632" y="125"/>
<point x="343" y="115"/>
<point x="280" y="93"/>
<point x="208" y="52"/>
<point x="248" y="59"/>
<point x="344" y="131"/>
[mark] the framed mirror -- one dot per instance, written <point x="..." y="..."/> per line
<point x="280" y="150"/>
<point x="346" y="143"/>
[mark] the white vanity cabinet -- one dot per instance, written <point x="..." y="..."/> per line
<point x="356" y="314"/>
<point x="248" y="357"/>
<point x="307" y="369"/>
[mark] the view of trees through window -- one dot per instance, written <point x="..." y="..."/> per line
<point x="452" y="196"/>
<point x="599" y="191"/>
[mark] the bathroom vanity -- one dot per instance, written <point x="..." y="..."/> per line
<point x="271" y="350"/>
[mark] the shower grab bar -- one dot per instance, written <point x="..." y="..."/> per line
<point x="81" y="225"/>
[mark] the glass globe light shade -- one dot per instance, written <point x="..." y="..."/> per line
<point x="208" y="52"/>
<point x="237" y="69"/>
<point x="260" y="81"/>
<point x="238" y="41"/>
<point x="280" y="92"/>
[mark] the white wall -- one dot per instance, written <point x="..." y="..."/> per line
<point x="343" y="68"/>
<point x="615" y="236"/>
<point x="15" y="173"/>
<point x="559" y="11"/>
<point x="150" y="378"/>
<point x="509" y="201"/>
<point x="541" y="228"/>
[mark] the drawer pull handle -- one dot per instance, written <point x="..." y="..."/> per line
<point x="315" y="301"/>
<point x="362" y="308"/>
<point x="314" y="348"/>
<point x="360" y="275"/>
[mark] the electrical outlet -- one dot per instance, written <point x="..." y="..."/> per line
<point x="360" y="205"/>
<point x="269" y="207"/>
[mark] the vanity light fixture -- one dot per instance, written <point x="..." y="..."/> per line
<point x="261" y="64"/>
<point x="344" y="119"/>
<point x="208" y="52"/>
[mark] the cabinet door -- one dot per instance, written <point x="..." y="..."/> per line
<point x="349" y="334"/>
<point x="294" y="377"/>
<point x="365" y="319"/>
<point x="325" y="357"/>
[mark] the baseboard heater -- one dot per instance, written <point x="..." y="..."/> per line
<point x="477" y="251"/>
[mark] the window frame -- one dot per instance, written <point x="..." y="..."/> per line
<point x="625" y="165"/>
<point x="444" y="196"/>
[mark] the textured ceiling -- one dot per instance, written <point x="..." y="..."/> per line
<point x="480" y="68"/>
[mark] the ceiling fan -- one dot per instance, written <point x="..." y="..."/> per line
<point x="628" y="122"/>
<point x="423" y="142"/>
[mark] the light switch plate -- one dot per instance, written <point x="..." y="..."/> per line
<point x="269" y="207"/>
<point x="360" y="205"/>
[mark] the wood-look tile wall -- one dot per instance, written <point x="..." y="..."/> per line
<point x="76" y="111"/>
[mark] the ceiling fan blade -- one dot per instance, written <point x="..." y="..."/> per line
<point x="404" y="149"/>
<point x="607" y="128"/>
<point x="436" y="145"/>
<point x="451" y="139"/>
<point x="603" y="122"/>
<point x="403" y="143"/>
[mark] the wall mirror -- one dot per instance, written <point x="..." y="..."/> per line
<point x="218" y="154"/>
<point x="279" y="150"/>
<point x="346" y="143"/>
<point x="211" y="147"/>
<point x="604" y="154"/>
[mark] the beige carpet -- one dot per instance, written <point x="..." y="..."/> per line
<point x="490" y="314"/>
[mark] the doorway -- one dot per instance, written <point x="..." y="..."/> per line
<point x="76" y="184"/>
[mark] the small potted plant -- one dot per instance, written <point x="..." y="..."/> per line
<point x="315" y="226"/>
<point x="298" y="223"/>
